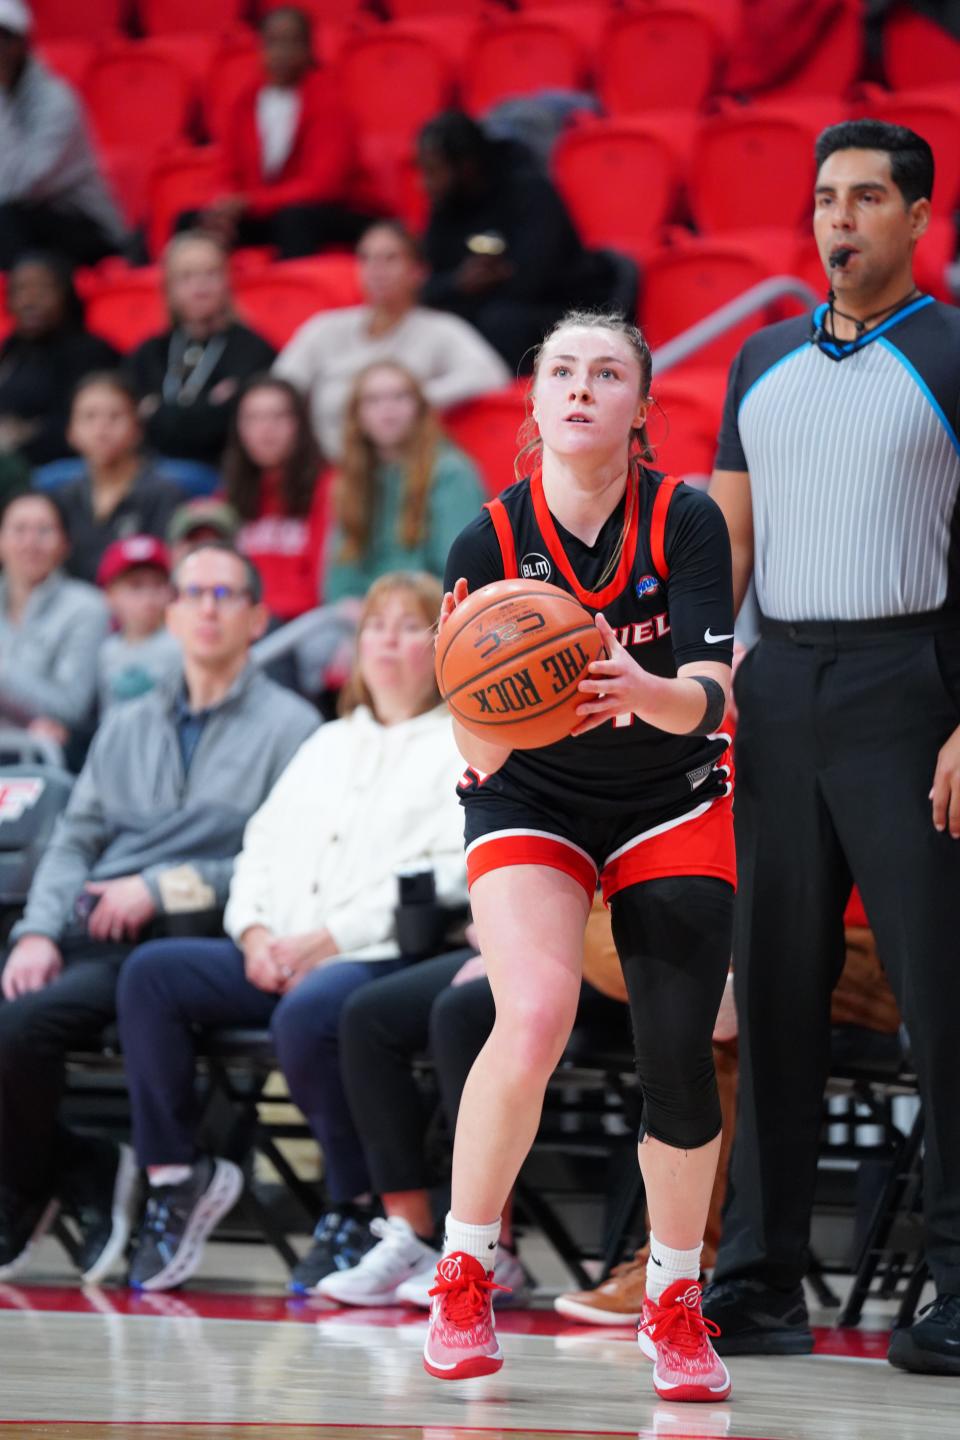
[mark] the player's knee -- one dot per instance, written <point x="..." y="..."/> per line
<point x="535" y="1034"/>
<point x="682" y="1109"/>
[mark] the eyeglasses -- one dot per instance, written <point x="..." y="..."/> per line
<point x="223" y="596"/>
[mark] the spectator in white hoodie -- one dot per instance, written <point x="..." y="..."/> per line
<point x="311" y="919"/>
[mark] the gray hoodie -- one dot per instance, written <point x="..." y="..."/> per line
<point x="134" y="812"/>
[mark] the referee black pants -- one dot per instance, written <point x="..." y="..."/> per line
<point x="839" y="731"/>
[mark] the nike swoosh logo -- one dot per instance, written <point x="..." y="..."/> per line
<point x="712" y="639"/>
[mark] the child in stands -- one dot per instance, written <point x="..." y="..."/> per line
<point x="141" y="653"/>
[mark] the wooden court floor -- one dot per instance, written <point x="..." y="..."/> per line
<point x="105" y="1372"/>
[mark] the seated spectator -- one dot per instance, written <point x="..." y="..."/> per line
<point x="43" y="360"/>
<point x="141" y="653"/>
<point x="51" y="628"/>
<point x="271" y="472"/>
<point x="450" y="359"/>
<point x="402" y="493"/>
<point x="120" y="493"/>
<point x="188" y="377"/>
<point x="196" y="521"/>
<point x="311" y="920"/>
<point x="147" y="840"/>
<point x="501" y="248"/>
<point x="288" y="153"/>
<point x="52" y="194"/>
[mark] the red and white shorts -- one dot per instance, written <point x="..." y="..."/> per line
<point x="614" y="852"/>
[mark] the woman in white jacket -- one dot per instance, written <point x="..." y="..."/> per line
<point x="310" y="919"/>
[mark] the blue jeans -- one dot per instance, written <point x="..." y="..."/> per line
<point x="171" y="989"/>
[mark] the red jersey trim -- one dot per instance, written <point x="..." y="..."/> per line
<point x="658" y="524"/>
<point x="596" y="599"/>
<point x="698" y="843"/>
<point x="530" y="847"/>
<point x="504" y="533"/>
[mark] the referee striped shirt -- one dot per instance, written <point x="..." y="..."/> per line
<point x="853" y="453"/>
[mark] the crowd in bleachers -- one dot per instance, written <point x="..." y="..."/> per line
<point x="269" y="280"/>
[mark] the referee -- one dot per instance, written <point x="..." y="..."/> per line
<point x="838" y="472"/>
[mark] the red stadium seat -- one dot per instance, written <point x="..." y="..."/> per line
<point x="934" y="114"/>
<point x="685" y="419"/>
<point x="684" y="284"/>
<point x="234" y="66"/>
<point x="658" y="58"/>
<point x="519" y="57"/>
<point x="186" y="17"/>
<point x="128" y="308"/>
<point x="394" y="81"/>
<point x="185" y="179"/>
<point x="917" y="51"/>
<point x="278" y="300"/>
<point x="619" y="181"/>
<point x="750" y="164"/>
<point x="70" y="59"/>
<point x="68" y="20"/>
<point x="320" y="10"/>
<point x="192" y="53"/>
<point x="836" y="61"/>
<point x="486" y="429"/>
<point x="135" y="93"/>
<point x="128" y="180"/>
<point x="410" y="9"/>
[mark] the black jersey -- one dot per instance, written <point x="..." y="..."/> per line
<point x="670" y="602"/>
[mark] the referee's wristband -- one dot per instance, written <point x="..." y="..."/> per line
<point x="716" y="704"/>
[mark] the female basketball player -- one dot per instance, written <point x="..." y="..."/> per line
<point x="637" y="799"/>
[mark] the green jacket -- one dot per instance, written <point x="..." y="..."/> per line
<point x="455" y="497"/>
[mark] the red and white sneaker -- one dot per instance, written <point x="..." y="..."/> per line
<point x="461" y="1341"/>
<point x="675" y="1335"/>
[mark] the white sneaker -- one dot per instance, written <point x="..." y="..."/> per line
<point x="400" y="1255"/>
<point x="507" y="1271"/>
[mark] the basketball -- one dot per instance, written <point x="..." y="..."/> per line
<point x="509" y="661"/>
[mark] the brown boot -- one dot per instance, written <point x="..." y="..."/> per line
<point x="618" y="1300"/>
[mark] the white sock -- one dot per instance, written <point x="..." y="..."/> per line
<point x="666" y="1265"/>
<point x="168" y="1174"/>
<point x="480" y="1241"/>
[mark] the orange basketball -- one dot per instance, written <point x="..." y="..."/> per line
<point x="510" y="658"/>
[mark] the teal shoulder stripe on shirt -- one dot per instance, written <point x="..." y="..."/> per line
<point x="928" y="394"/>
<point x="849" y="347"/>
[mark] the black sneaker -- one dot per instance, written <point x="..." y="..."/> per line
<point x="178" y="1220"/>
<point x="931" y="1345"/>
<point x="22" y="1224"/>
<point x="100" y="1194"/>
<point x="755" y="1319"/>
<point x="339" y="1242"/>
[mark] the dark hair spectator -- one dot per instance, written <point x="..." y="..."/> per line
<point x="188" y="376"/>
<point x="151" y="830"/>
<point x="450" y="359"/>
<point x="311" y="916"/>
<point x="51" y="191"/>
<point x="42" y="360"/>
<point x="271" y="472"/>
<point x="288" y="152"/>
<point x="51" y="627"/>
<point x="402" y="492"/>
<point x="911" y="158"/>
<point x="120" y="493"/>
<point x="501" y="248"/>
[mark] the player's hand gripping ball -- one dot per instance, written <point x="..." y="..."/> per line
<point x="509" y="659"/>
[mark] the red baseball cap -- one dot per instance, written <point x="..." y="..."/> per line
<point x="130" y="554"/>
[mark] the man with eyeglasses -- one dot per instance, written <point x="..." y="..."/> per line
<point x="145" y="846"/>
